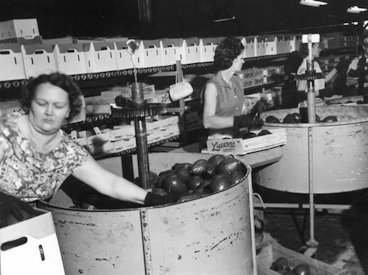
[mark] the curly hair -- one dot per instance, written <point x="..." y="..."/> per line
<point x="60" y="80"/>
<point x="226" y="52"/>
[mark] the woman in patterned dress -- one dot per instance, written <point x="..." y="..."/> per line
<point x="36" y="156"/>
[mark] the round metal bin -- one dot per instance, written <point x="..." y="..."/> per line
<point x="334" y="155"/>
<point x="209" y="235"/>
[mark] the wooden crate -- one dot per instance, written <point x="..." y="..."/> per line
<point x="238" y="146"/>
<point x="269" y="251"/>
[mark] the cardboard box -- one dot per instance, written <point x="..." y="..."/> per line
<point x="260" y="45"/>
<point x="27" y="28"/>
<point x="123" y="57"/>
<point x="238" y="146"/>
<point x="149" y="54"/>
<point x="172" y="51"/>
<point x="207" y="48"/>
<point x="38" y="59"/>
<point x="11" y="62"/>
<point x="249" y="43"/>
<point x="31" y="247"/>
<point x="100" y="56"/>
<point x="192" y="52"/>
<point x="70" y="58"/>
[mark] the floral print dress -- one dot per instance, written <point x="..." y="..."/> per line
<point x="28" y="174"/>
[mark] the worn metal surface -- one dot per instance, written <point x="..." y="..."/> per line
<point x="209" y="235"/>
<point x="340" y="153"/>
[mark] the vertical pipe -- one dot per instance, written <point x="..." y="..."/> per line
<point x="311" y="241"/>
<point x="146" y="242"/>
<point x="142" y="150"/>
<point x="141" y="135"/>
<point x="310" y="93"/>
<point x="252" y="233"/>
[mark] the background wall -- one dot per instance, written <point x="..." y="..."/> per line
<point x="173" y="18"/>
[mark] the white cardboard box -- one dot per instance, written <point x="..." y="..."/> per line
<point x="11" y="62"/>
<point x="238" y="146"/>
<point x="70" y="58"/>
<point x="149" y="54"/>
<point x="27" y="28"/>
<point x="172" y="51"/>
<point x="38" y="59"/>
<point x="123" y="57"/>
<point x="31" y="247"/>
<point x="192" y="52"/>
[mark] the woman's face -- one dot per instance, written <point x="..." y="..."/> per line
<point x="238" y="62"/>
<point x="49" y="108"/>
<point x="316" y="50"/>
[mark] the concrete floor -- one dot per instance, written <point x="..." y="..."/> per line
<point x="333" y="244"/>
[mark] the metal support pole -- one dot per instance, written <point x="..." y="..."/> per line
<point x="312" y="243"/>
<point x="141" y="137"/>
<point x="142" y="151"/>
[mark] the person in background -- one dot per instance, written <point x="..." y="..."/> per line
<point x="319" y="84"/>
<point x="357" y="71"/>
<point x="224" y="109"/>
<point x="36" y="156"/>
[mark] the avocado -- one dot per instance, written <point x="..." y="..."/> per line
<point x="173" y="184"/>
<point x="216" y="159"/>
<point x="272" y="119"/>
<point x="281" y="265"/>
<point x="198" y="167"/>
<point x="247" y="135"/>
<point x="264" y="132"/>
<point x="194" y="181"/>
<point x="302" y="269"/>
<point x="228" y="165"/>
<point x="330" y="119"/>
<point x="289" y="118"/>
<point x="220" y="182"/>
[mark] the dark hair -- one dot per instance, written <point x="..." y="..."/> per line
<point x="226" y="52"/>
<point x="62" y="81"/>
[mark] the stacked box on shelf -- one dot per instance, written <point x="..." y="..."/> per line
<point x="59" y="40"/>
<point x="275" y="44"/>
<point x="294" y="42"/>
<point x="172" y="50"/>
<point x="332" y="40"/>
<point x="38" y="59"/>
<point x="123" y="57"/>
<point x="70" y="58"/>
<point x="260" y="45"/>
<point x="11" y="62"/>
<point x="249" y="43"/>
<point x="25" y="28"/>
<point x="149" y="54"/>
<point x="100" y="56"/>
<point x="207" y="48"/>
<point x="192" y="51"/>
<point x="349" y="41"/>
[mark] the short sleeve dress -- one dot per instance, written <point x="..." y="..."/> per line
<point x="28" y="174"/>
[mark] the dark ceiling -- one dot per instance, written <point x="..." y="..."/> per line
<point x="179" y="18"/>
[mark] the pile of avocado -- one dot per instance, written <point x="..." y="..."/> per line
<point x="296" y="118"/>
<point x="204" y="176"/>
